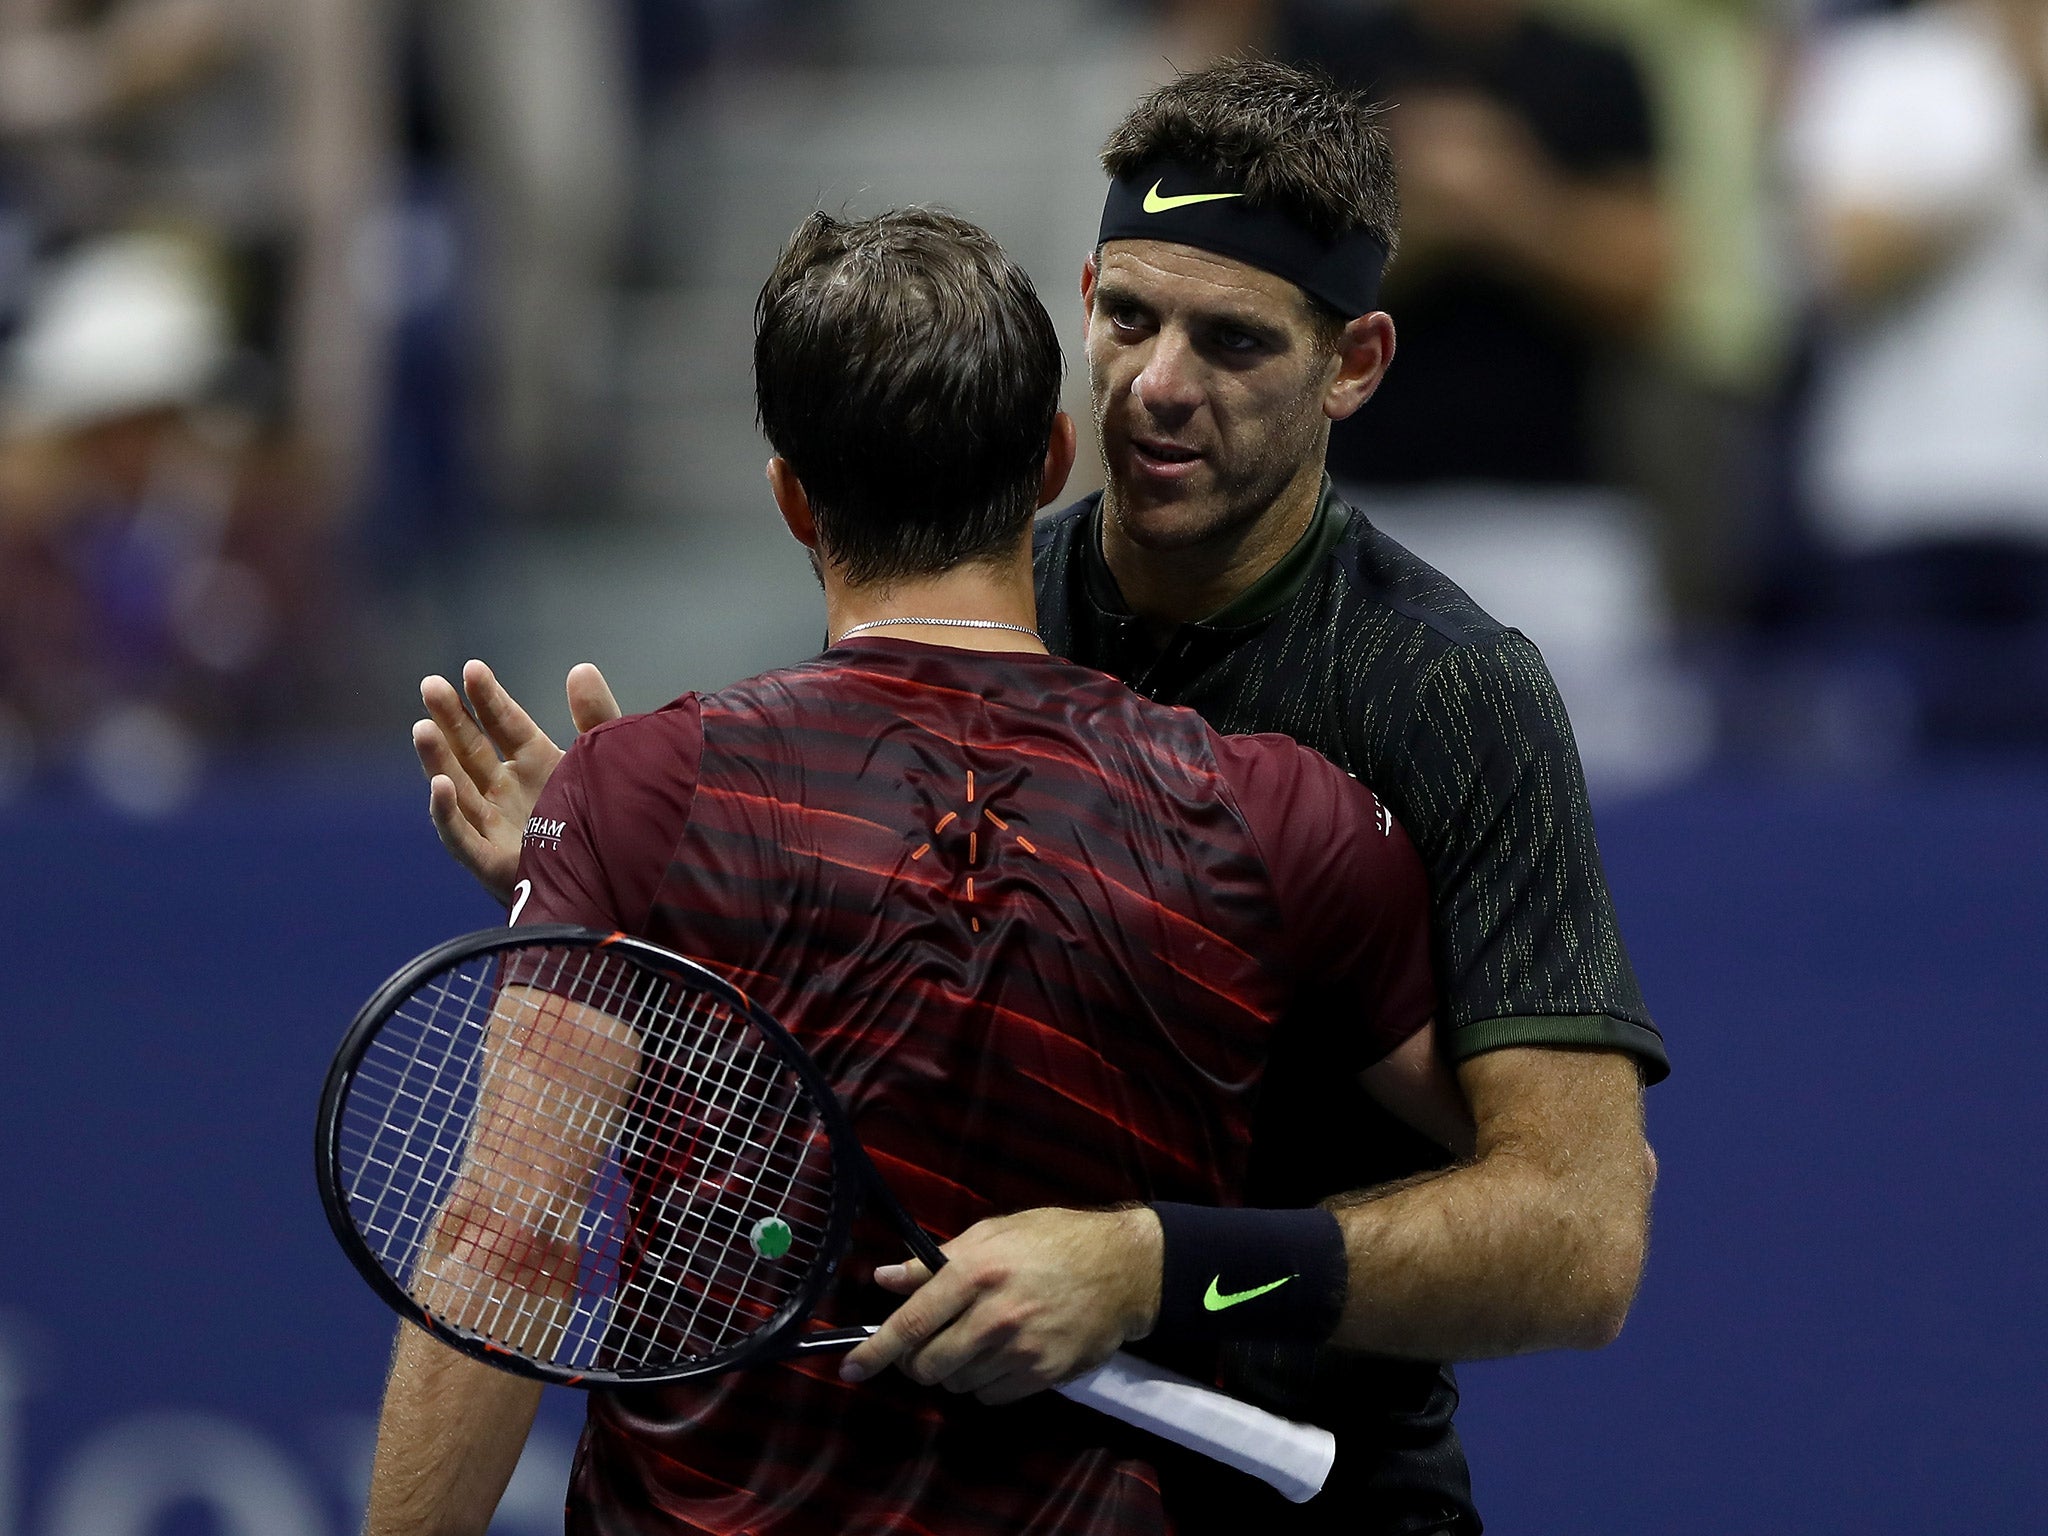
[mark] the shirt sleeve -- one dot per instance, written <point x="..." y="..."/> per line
<point x="610" y="816"/>
<point x="1352" y="896"/>
<point x="1528" y="948"/>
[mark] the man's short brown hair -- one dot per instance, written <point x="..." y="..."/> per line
<point x="906" y="370"/>
<point x="1294" y="139"/>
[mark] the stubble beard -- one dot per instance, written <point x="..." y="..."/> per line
<point x="1236" y="501"/>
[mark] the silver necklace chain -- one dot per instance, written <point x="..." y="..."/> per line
<point x="940" y="624"/>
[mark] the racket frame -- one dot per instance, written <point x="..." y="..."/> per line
<point x="854" y="1175"/>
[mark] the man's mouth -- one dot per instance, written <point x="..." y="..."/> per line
<point x="1163" y="458"/>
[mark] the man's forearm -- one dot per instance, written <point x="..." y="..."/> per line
<point x="1537" y="1243"/>
<point x="447" y="1441"/>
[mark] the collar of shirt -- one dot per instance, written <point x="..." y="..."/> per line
<point x="1193" y="646"/>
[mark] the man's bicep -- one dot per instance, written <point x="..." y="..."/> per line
<point x="502" y="1254"/>
<point x="604" y="829"/>
<point x="561" y="876"/>
<point x="1566" y="1127"/>
<point x="1350" y="889"/>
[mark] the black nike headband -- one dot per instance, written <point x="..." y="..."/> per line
<point x="1167" y="201"/>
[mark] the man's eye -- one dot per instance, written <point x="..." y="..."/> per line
<point x="1125" y="318"/>
<point x="1230" y="339"/>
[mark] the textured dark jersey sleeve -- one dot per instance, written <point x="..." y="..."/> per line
<point x="1529" y="949"/>
<point x="1350" y="888"/>
<point x="602" y="831"/>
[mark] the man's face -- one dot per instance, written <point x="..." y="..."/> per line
<point x="1209" y="380"/>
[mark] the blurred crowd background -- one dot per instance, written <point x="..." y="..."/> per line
<point x="342" y="341"/>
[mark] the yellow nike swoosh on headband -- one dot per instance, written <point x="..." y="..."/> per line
<point x="1154" y="203"/>
<point x="1216" y="1300"/>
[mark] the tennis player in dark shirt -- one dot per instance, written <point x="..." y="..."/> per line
<point x="1040" y="933"/>
<point x="1232" y="317"/>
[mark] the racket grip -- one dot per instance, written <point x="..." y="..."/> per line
<point x="1294" y="1458"/>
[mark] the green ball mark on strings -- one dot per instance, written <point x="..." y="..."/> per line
<point x="772" y="1237"/>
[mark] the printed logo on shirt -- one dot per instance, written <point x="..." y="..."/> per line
<point x="542" y="833"/>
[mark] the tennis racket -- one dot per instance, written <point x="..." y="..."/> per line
<point x="589" y="1161"/>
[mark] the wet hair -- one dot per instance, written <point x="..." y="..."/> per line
<point x="1290" y="136"/>
<point x="906" y="370"/>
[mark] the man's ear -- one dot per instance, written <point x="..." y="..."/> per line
<point x="1364" y="350"/>
<point x="1089" y="273"/>
<point x="1059" y="459"/>
<point x="793" y="502"/>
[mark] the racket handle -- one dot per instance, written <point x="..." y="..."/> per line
<point x="1294" y="1458"/>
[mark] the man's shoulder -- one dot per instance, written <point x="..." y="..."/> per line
<point x="1374" y="653"/>
<point x="1267" y="767"/>
<point x="641" y="745"/>
<point x="628" y="732"/>
<point x="1377" y="580"/>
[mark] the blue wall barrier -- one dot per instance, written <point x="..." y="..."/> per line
<point x="1840" y="1330"/>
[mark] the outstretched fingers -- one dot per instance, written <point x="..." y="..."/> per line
<point x="459" y="835"/>
<point x="430" y="744"/>
<point x="469" y="749"/>
<point x="590" y="698"/>
<point x="510" y="728"/>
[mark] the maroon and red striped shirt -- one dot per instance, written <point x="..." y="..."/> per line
<point x="1038" y="932"/>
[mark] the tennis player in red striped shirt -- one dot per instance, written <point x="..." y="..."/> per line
<point x="1041" y="933"/>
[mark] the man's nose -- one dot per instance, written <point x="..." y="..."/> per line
<point x="1167" y="385"/>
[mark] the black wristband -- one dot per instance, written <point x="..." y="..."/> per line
<point x="1238" y="1274"/>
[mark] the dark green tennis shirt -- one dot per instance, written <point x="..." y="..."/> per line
<point x="1353" y="646"/>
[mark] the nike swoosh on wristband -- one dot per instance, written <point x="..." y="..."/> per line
<point x="1216" y="1301"/>
<point x="1154" y="203"/>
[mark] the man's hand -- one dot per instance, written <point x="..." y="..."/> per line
<point x="484" y="774"/>
<point x="1025" y="1302"/>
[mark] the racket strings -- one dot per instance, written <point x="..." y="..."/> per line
<point x="491" y="1270"/>
<point x="585" y="1160"/>
<point x="736" y="1106"/>
<point x="546" y="1102"/>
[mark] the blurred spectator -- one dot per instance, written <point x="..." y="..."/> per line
<point x="528" y="105"/>
<point x="1532" y="232"/>
<point x="1917" y="145"/>
<point x="1534" y="253"/>
<point x="1197" y="31"/>
<point x="242" y="123"/>
<point x="275" y="129"/>
<point x="160" y="575"/>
